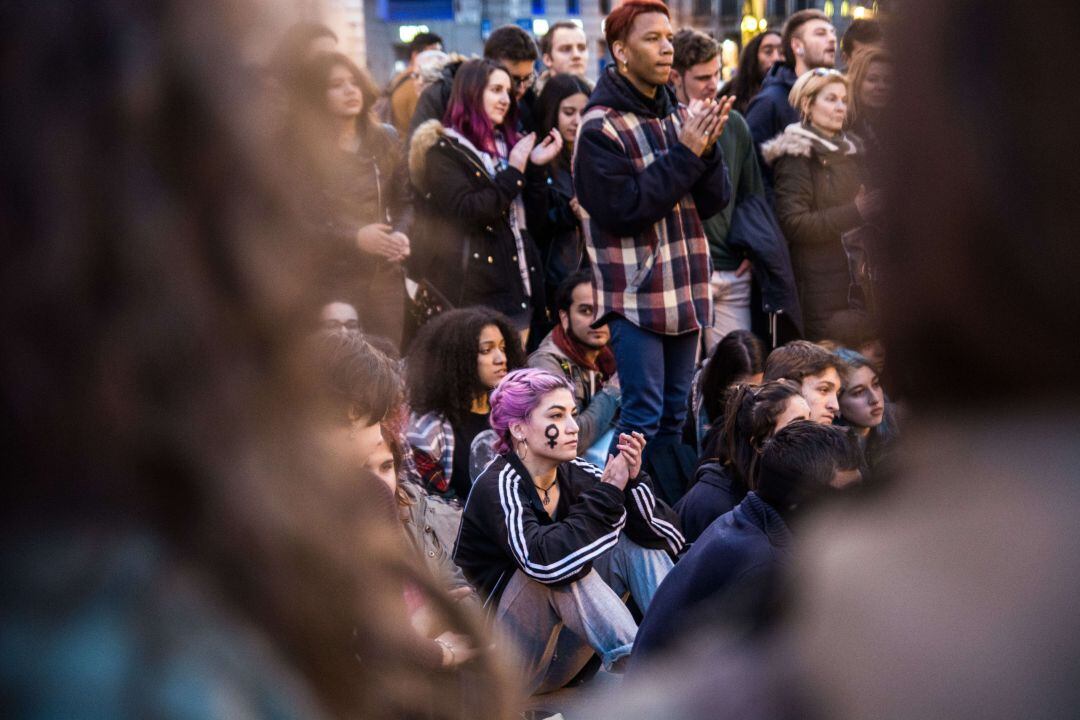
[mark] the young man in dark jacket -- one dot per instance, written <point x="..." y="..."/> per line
<point x="728" y="575"/>
<point x="647" y="171"/>
<point x="809" y="41"/>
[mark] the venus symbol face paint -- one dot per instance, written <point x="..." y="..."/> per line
<point x="551" y="432"/>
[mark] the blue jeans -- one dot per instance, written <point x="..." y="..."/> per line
<point x="655" y="372"/>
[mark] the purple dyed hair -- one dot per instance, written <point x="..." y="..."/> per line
<point x="518" y="395"/>
<point x="465" y="110"/>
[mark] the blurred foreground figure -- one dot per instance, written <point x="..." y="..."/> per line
<point x="179" y="540"/>
<point x="950" y="593"/>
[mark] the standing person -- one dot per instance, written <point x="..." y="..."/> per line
<point x="861" y="35"/>
<point x="358" y="208"/>
<point x="809" y="41"/>
<point x="819" y="195"/>
<point x="646" y="171"/>
<point x="757" y="58"/>
<point x="514" y="51"/>
<point x="695" y="73"/>
<point x="580" y="353"/>
<point x="553" y="214"/>
<point x="403" y="92"/>
<point x="864" y="407"/>
<point x="815" y="370"/>
<point x="564" y="50"/>
<point x="870" y="77"/>
<point x="456" y="360"/>
<point x="175" y="543"/>
<point x="471" y="170"/>
<point x="551" y="540"/>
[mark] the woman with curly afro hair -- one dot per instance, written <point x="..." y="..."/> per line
<point x="456" y="360"/>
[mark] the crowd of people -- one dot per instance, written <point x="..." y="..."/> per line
<point x="609" y="301"/>
<point x="475" y="384"/>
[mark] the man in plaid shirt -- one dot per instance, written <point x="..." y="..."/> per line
<point x="647" y="171"/>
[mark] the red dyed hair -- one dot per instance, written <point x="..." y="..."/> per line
<point x="617" y="24"/>
<point x="465" y="110"/>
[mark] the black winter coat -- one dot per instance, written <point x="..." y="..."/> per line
<point x="816" y="184"/>
<point x="552" y="223"/>
<point x="469" y="253"/>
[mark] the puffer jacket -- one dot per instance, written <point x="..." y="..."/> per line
<point x="816" y="183"/>
<point x="470" y="254"/>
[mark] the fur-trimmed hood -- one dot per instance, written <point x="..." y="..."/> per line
<point x="426" y="135"/>
<point x="799" y="140"/>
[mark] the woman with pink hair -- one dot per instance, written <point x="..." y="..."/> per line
<point x="551" y="540"/>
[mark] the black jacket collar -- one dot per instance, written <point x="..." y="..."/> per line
<point x="616" y="92"/>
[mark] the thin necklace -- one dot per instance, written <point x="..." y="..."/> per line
<point x="547" y="498"/>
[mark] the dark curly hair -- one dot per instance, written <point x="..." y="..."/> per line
<point x="441" y="374"/>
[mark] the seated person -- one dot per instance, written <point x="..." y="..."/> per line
<point x="729" y="572"/>
<point x="551" y="540"/>
<point x="865" y="408"/>
<point x="815" y="370"/>
<point x="739" y="357"/>
<point x="455" y="361"/>
<point x="753" y="415"/>
<point x="581" y="353"/>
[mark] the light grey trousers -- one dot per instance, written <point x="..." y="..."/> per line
<point x="556" y="629"/>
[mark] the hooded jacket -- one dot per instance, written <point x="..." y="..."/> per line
<point x="646" y="193"/>
<point x="713" y="493"/>
<point x="726" y="575"/>
<point x="469" y="251"/>
<point x="770" y="112"/>
<point x="596" y="407"/>
<point x="505" y="527"/>
<point x="816" y="183"/>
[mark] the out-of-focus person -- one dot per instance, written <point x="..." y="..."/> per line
<point x="354" y="196"/>
<point x="179" y="539"/>
<point x="870" y="77"/>
<point x="861" y="35"/>
<point x="404" y="89"/>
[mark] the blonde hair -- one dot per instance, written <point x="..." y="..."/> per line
<point x="857" y="71"/>
<point x="808" y="86"/>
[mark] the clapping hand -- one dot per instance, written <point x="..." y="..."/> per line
<point x="632" y="447"/>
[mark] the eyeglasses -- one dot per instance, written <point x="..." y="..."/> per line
<point x="335" y="325"/>
<point x="826" y="72"/>
<point x="523" y="80"/>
